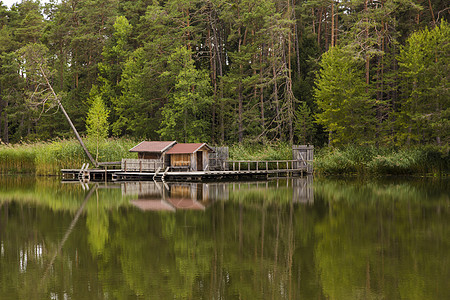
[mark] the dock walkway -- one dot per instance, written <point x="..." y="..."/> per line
<point x="229" y="170"/>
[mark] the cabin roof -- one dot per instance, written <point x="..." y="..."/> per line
<point x="156" y="205"/>
<point x="184" y="203"/>
<point x="170" y="204"/>
<point x="188" y="148"/>
<point x="153" y="146"/>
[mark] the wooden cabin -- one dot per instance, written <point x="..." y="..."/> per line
<point x="152" y="149"/>
<point x="189" y="156"/>
<point x="151" y="156"/>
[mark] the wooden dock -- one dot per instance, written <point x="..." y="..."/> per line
<point x="212" y="169"/>
<point x="230" y="170"/>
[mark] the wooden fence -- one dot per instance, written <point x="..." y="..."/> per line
<point x="271" y="165"/>
<point x="141" y="165"/>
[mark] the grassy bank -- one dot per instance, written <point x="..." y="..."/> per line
<point x="357" y="160"/>
<point x="48" y="158"/>
<point x="354" y="160"/>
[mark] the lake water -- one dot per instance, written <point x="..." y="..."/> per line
<point x="282" y="239"/>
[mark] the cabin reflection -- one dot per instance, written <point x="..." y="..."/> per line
<point x="172" y="196"/>
<point x="161" y="196"/>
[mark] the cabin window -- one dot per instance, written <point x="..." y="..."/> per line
<point x="180" y="160"/>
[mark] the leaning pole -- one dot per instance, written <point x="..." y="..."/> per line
<point x="94" y="162"/>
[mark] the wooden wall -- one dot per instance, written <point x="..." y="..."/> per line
<point x="180" y="160"/>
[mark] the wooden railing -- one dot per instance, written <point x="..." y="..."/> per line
<point x="270" y="165"/>
<point x="151" y="165"/>
<point x="109" y="163"/>
<point x="141" y="165"/>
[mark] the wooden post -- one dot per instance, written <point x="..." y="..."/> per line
<point x="267" y="166"/>
<point x="140" y="166"/>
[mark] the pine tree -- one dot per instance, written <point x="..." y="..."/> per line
<point x="186" y="117"/>
<point x="425" y="106"/>
<point x="304" y="124"/>
<point x="346" y="111"/>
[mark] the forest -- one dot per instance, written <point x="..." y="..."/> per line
<point x="325" y="72"/>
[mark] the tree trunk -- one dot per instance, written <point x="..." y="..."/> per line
<point x="95" y="163"/>
<point x="275" y="93"/>
<point x="326" y="31"/>
<point x="213" y="75"/>
<point x="261" y="89"/>
<point x="319" y="29"/>
<point x="219" y="73"/>
<point x="332" y="23"/>
<point x="336" y="24"/>
<point x="239" y="92"/>
<point x="290" y="94"/>
<point x="432" y="13"/>
<point x="367" y="55"/>
<point x="5" y="137"/>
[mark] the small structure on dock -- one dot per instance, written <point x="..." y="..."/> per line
<point x="152" y="149"/>
<point x="164" y="161"/>
<point x="151" y="156"/>
<point x="189" y="156"/>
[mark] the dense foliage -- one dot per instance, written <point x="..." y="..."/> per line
<point x="368" y="72"/>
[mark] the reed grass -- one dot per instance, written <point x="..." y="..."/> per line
<point x="17" y="159"/>
<point x="48" y="158"/>
<point x="362" y="160"/>
<point x="259" y="152"/>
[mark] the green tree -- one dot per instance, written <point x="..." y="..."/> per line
<point x="136" y="109"/>
<point x="97" y="122"/>
<point x="304" y="124"/>
<point x="115" y="54"/>
<point x="346" y="111"/>
<point x="424" y="70"/>
<point x="186" y="117"/>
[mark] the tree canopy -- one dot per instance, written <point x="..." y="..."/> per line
<point x="365" y="72"/>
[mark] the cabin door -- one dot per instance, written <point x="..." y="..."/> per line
<point x="199" y="161"/>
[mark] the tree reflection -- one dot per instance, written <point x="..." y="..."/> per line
<point x="383" y="241"/>
<point x="354" y="240"/>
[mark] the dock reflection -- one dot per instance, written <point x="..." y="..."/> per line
<point x="173" y="196"/>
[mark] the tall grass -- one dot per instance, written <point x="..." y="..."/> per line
<point x="271" y="151"/>
<point x="48" y="158"/>
<point x="382" y="161"/>
<point x="17" y="159"/>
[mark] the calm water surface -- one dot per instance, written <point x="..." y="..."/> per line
<point x="285" y="239"/>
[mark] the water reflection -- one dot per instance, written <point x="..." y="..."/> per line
<point x="285" y="239"/>
<point x="163" y="196"/>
